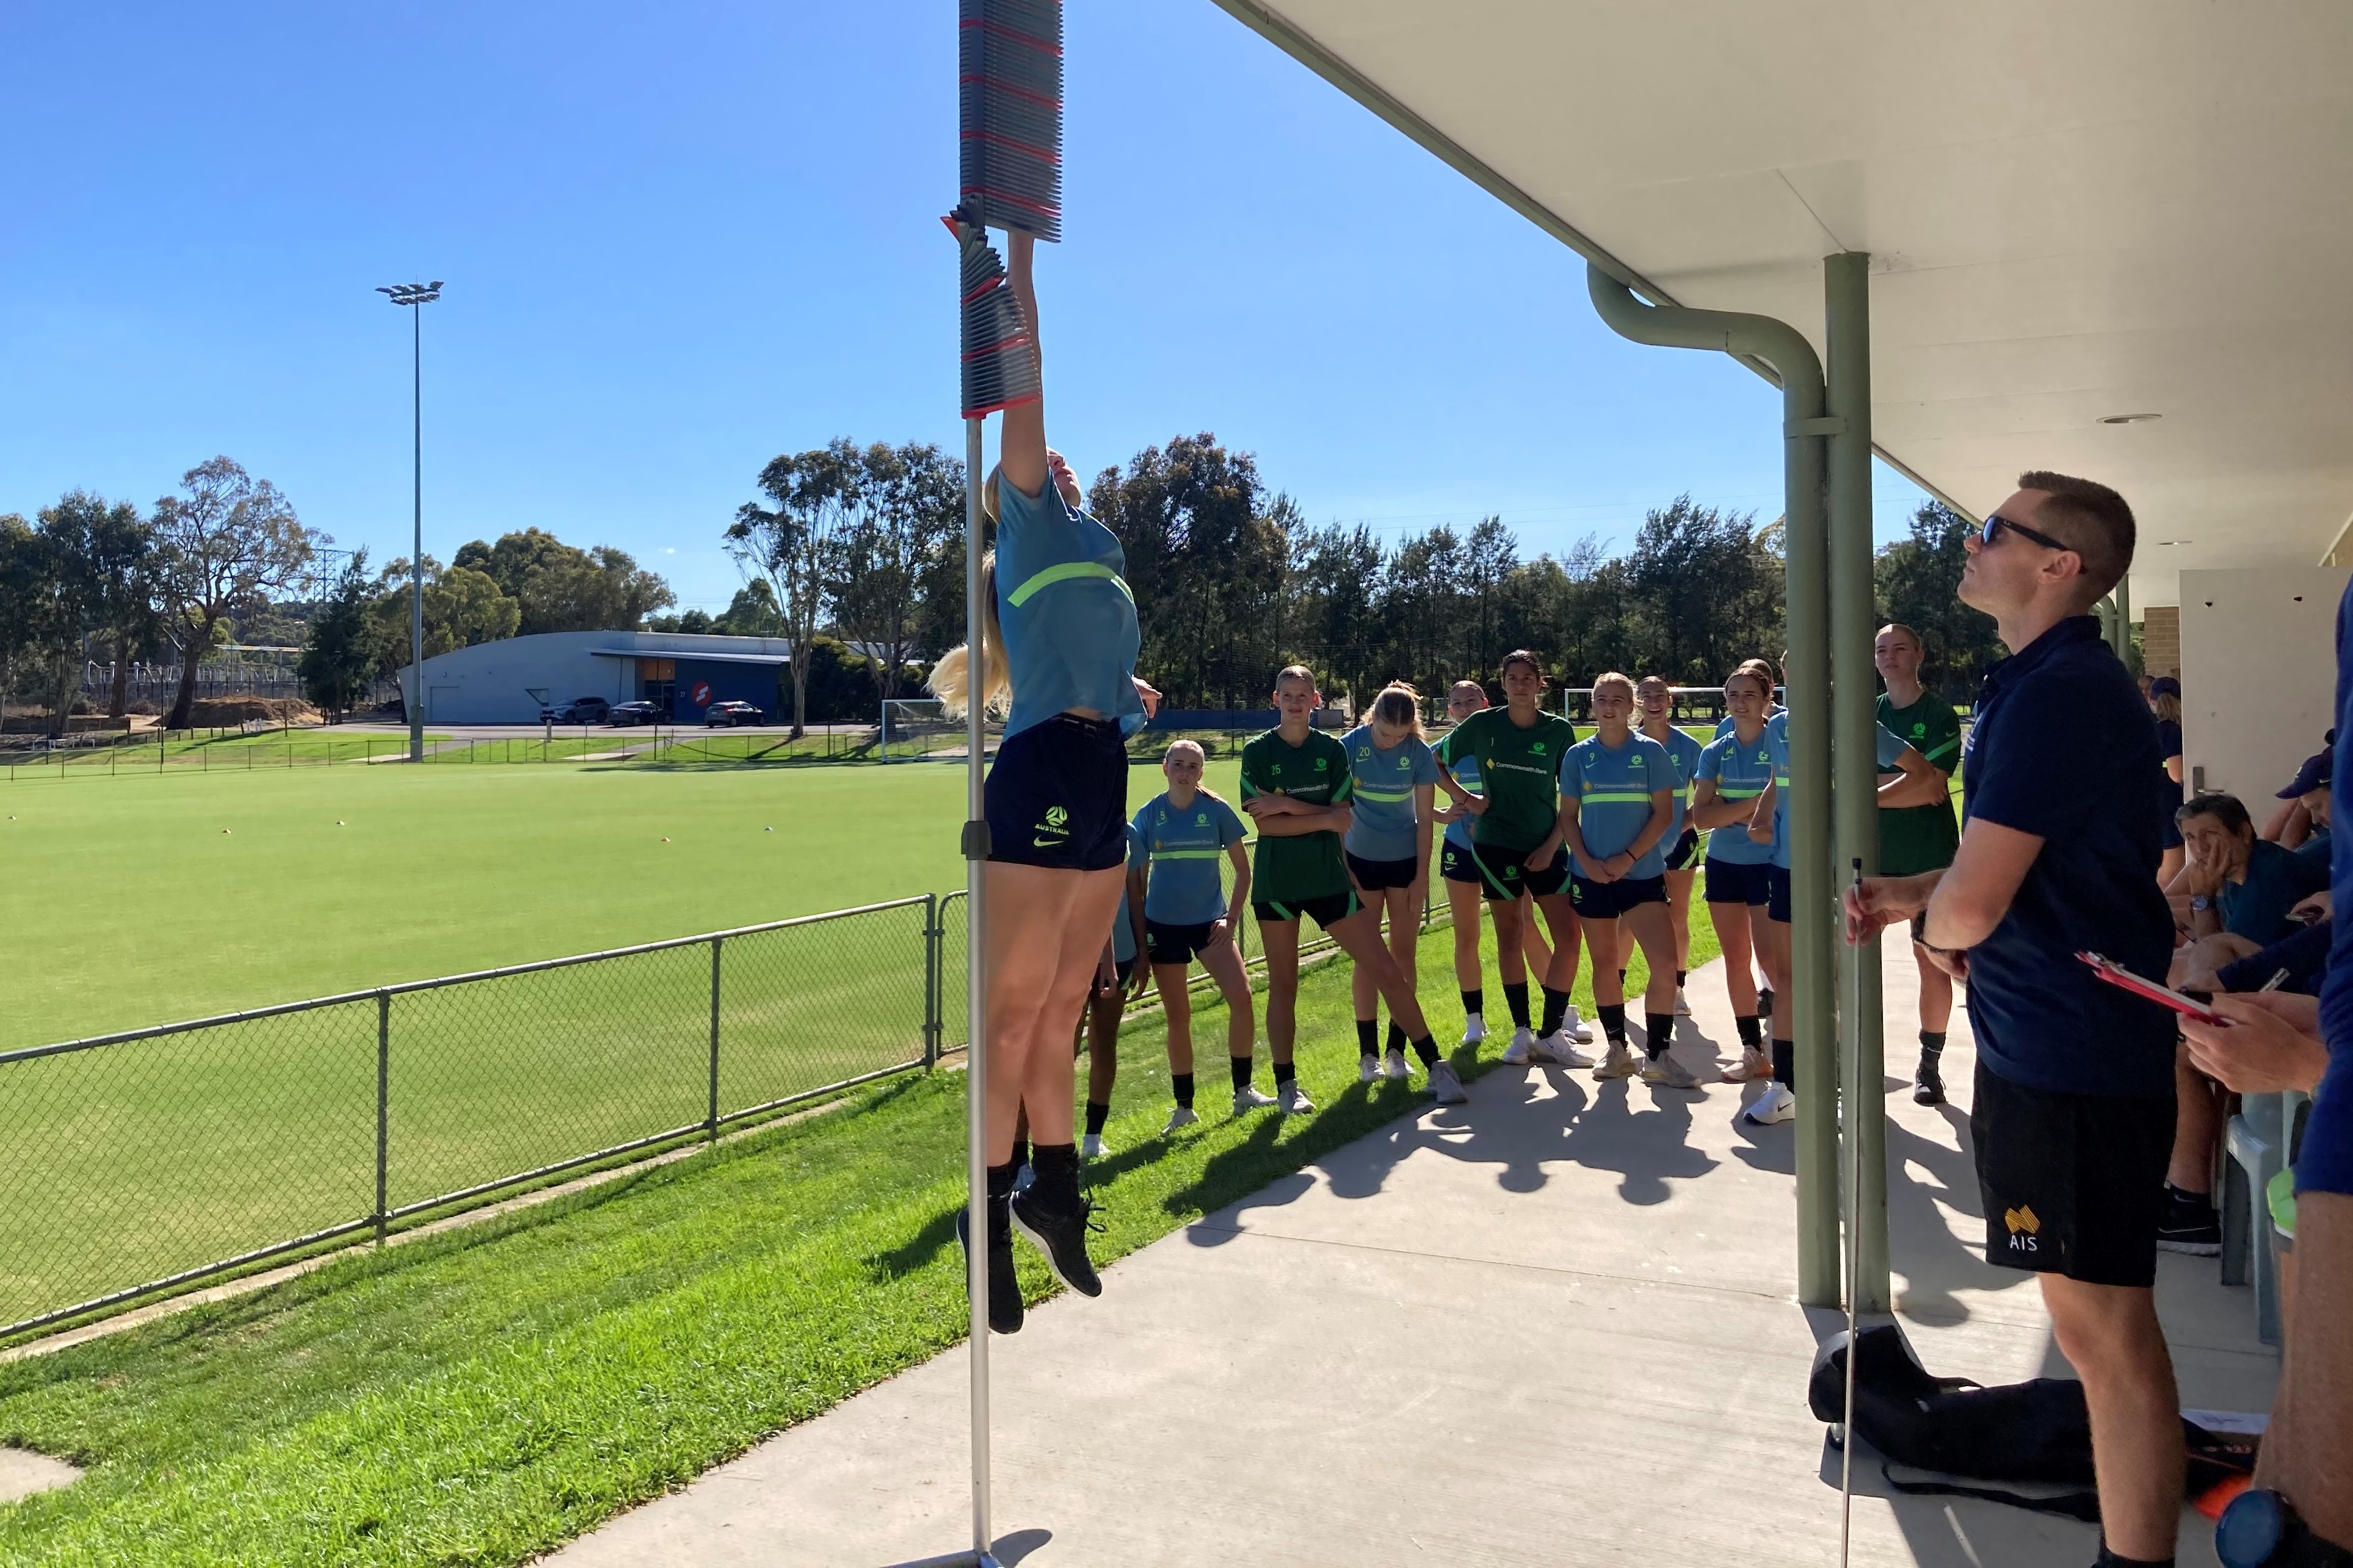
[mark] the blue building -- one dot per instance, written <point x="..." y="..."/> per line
<point x="509" y="682"/>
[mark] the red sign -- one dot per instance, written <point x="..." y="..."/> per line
<point x="702" y="694"/>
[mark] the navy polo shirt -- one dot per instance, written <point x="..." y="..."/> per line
<point x="2325" y="1163"/>
<point x="2062" y="749"/>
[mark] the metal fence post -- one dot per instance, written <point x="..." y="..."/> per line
<point x="383" y="1105"/>
<point x="713" y="1122"/>
<point x="934" y="930"/>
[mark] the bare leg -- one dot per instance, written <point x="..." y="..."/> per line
<point x="1463" y="899"/>
<point x="1732" y="922"/>
<point x="1281" y="940"/>
<point x="1651" y="929"/>
<point x="1936" y="993"/>
<point x="1038" y="918"/>
<point x="1679" y="906"/>
<point x="1534" y="947"/>
<point x="2312" y="1419"/>
<point x="1224" y="963"/>
<point x="1403" y="911"/>
<point x="1567" y="930"/>
<point x="2110" y="1334"/>
<point x="1360" y="939"/>
<point x="2196" y="1123"/>
<point x="1177" y="1007"/>
<point x="1604" y="940"/>
<point x="1104" y="1011"/>
<point x="1511" y="919"/>
<point x="1362" y="991"/>
<point x="1047" y="1087"/>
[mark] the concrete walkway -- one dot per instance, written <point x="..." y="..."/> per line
<point x="1554" y="1326"/>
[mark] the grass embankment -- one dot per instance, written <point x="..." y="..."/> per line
<point x="478" y="1396"/>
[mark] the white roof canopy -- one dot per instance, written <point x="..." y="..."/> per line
<point x="2073" y="212"/>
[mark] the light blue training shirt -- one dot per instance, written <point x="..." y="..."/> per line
<point x="1466" y="774"/>
<point x="1184" y="845"/>
<point x="1741" y="773"/>
<point x="1684" y="753"/>
<point x="1612" y="788"/>
<point x="1890" y="746"/>
<point x="1724" y="726"/>
<point x="1070" y="636"/>
<point x="1122" y="931"/>
<point x="1381" y="825"/>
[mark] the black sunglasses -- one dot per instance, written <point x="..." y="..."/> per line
<point x="1990" y="535"/>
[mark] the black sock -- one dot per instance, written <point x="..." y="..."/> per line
<point x="1658" y="1033"/>
<point x="2182" y="1197"/>
<point x="1932" y="1045"/>
<point x="1396" y="1036"/>
<point x="1765" y="1003"/>
<point x="1098" y="1112"/>
<point x="1021" y="1153"/>
<point x="1474" y="1003"/>
<point x="1182" y="1083"/>
<point x="1368" y="1035"/>
<point x="1682" y="975"/>
<point x="1621" y="980"/>
<point x="1425" y="1049"/>
<point x="1555" y="1007"/>
<point x="1056" y="1169"/>
<point x="2109" y="1558"/>
<point x="1613" y="1021"/>
<point x="1240" y="1067"/>
<point x="1000" y="1179"/>
<point x="1515" y="993"/>
<point x="1785" y="1066"/>
<point x="1283" y="1073"/>
<point x="1752" y="1036"/>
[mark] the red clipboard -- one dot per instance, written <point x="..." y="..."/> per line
<point x="2117" y="974"/>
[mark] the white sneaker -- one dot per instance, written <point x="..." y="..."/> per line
<point x="1368" y="1069"/>
<point x="1292" y="1101"/>
<point x="1519" y="1053"/>
<point x="1618" y="1063"/>
<point x="1091" y="1146"/>
<point x="1395" y="1068"/>
<point x="1181" y="1117"/>
<point x="1682" y="1003"/>
<point x="1445" y="1084"/>
<point x="1474" y="1029"/>
<point x="1248" y="1098"/>
<point x="1575" y="1027"/>
<point x="1663" y="1071"/>
<point x="1775" y="1104"/>
<point x="1556" y="1048"/>
<point x="1753" y="1067"/>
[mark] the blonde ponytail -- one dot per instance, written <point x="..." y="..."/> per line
<point x="951" y="679"/>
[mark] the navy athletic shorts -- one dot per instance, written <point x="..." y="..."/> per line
<point x="1679" y="858"/>
<point x="1057" y="795"/>
<point x="1456" y="865"/>
<point x="2072" y="1184"/>
<point x="1739" y="883"/>
<point x="1777" y="902"/>
<point x="1375" y="876"/>
<point x="1608" y="901"/>
<point x="1175" y="944"/>
<point x="1507" y="875"/>
<point x="1327" y="911"/>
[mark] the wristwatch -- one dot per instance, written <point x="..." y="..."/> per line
<point x="2260" y="1530"/>
<point x="2200" y="902"/>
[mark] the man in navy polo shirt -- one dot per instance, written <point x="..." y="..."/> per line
<point x="2072" y="1114"/>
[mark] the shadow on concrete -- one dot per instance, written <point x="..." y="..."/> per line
<point x="1008" y="1549"/>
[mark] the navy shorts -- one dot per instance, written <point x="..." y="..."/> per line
<point x="1057" y="795"/>
<point x="1375" y="876"/>
<point x="1123" y="968"/>
<point x="1175" y="944"/>
<point x="1456" y="865"/>
<point x="1777" y="902"/>
<point x="2072" y="1184"/>
<point x="1679" y="857"/>
<point x="1608" y="901"/>
<point x="1327" y="911"/>
<point x="1739" y="883"/>
<point x="1506" y="875"/>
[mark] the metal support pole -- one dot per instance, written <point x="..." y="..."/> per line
<point x="1846" y="290"/>
<point x="975" y="1056"/>
<point x="2124" y="619"/>
<point x="711" y="1121"/>
<point x="1813" y="934"/>
<point x="383" y="1106"/>
<point x="416" y="556"/>
<point x="934" y="932"/>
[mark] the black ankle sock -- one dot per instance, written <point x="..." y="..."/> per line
<point x="1785" y="1064"/>
<point x="1368" y="1036"/>
<point x="1182" y="1084"/>
<point x="1765" y="1003"/>
<point x="2109" y="1559"/>
<point x="1425" y="1049"/>
<point x="1056" y="1166"/>
<point x="1098" y="1112"/>
<point x="1000" y="1179"/>
<point x="1283" y="1073"/>
<point x="1515" y="994"/>
<point x="1621" y="980"/>
<point x="1240" y="1067"/>
<point x="1555" y="1007"/>
<point x="1932" y="1045"/>
<point x="1682" y="975"/>
<point x="1396" y="1036"/>
<point x="1752" y="1036"/>
<point x="1658" y="1033"/>
<point x="1613" y="1021"/>
<point x="1474" y="1003"/>
<point x="2182" y="1199"/>
<point x="1021" y="1153"/>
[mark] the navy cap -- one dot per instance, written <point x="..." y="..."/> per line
<point x="2165" y="686"/>
<point x="2317" y="771"/>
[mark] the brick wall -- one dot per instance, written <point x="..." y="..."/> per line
<point x="2160" y="639"/>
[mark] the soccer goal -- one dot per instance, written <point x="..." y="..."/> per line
<point x="914" y="727"/>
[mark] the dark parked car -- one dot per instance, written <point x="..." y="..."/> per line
<point x="579" y="710"/>
<point x="637" y="713"/>
<point x="732" y="714"/>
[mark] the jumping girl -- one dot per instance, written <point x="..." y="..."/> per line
<point x="1185" y="831"/>
<point x="1656" y="700"/>
<point x="1295" y="785"/>
<point x="1733" y="770"/>
<point x="1393" y="780"/>
<point x="1513" y="845"/>
<point x="1061" y="638"/>
<point x="1458" y="868"/>
<point x="1617" y="805"/>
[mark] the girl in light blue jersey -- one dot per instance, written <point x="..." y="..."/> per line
<point x="1458" y="868"/>
<point x="1735" y="770"/>
<point x="1656" y="700"/>
<point x="1387" y="844"/>
<point x="1185" y="831"/>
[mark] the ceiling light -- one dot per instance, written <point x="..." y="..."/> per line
<point x="2128" y="418"/>
<point x="2163" y="543"/>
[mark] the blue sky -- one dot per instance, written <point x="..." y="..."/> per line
<point x="678" y="239"/>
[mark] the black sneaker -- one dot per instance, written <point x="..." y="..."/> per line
<point x="1928" y="1086"/>
<point x="1057" y="1223"/>
<point x="2191" y="1226"/>
<point x="1004" y="1286"/>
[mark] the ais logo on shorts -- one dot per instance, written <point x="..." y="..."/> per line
<point x="2022" y="1226"/>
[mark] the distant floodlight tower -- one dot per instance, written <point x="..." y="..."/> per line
<point x="417" y="294"/>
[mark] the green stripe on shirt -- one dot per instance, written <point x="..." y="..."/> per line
<point x="1620" y="796"/>
<point x="1064" y="572"/>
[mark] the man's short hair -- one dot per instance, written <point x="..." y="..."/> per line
<point x="2094" y="520"/>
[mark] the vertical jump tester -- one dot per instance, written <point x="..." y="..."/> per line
<point x="1009" y="161"/>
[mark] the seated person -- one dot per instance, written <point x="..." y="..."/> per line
<point x="2301" y="823"/>
<point x="2224" y="963"/>
<point x="2235" y="881"/>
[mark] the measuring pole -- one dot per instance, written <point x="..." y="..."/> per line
<point x="976" y="1055"/>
